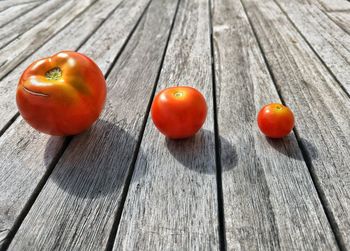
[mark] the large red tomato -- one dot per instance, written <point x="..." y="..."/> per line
<point x="275" y="120"/>
<point x="179" y="112"/>
<point x="62" y="94"/>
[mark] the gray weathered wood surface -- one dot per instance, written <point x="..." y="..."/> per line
<point x="320" y="105"/>
<point x="14" y="11"/>
<point x="270" y="201"/>
<point x="26" y="21"/>
<point x="122" y="185"/>
<point x="338" y="11"/>
<point x="172" y="198"/>
<point x="6" y="4"/>
<point x="329" y="40"/>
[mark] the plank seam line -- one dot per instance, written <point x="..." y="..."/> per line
<point x="220" y="194"/>
<point x="16" y="4"/>
<point x="30" y="28"/>
<point x="35" y="24"/>
<point x="13" y="119"/>
<point x="9" y="21"/>
<point x="65" y="145"/>
<point x="97" y="27"/>
<point x="46" y="41"/>
<point x="330" y="18"/>
<point x="127" y="39"/>
<point x="314" y="51"/>
<point x="118" y="215"/>
<point x="306" y="157"/>
<point x="28" y="205"/>
<point x="9" y="123"/>
<point x="320" y="193"/>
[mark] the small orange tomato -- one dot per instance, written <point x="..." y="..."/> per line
<point x="275" y="120"/>
<point x="61" y="95"/>
<point x="179" y="112"/>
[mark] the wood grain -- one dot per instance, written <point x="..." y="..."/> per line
<point x="270" y="201"/>
<point x="172" y="198"/>
<point x="321" y="108"/>
<point x="19" y="171"/>
<point x="26" y="154"/>
<point x="338" y="11"/>
<point x="31" y="40"/>
<point x="26" y="21"/>
<point x="333" y="5"/>
<point x="77" y="206"/>
<point x="5" y="4"/>
<point x="342" y="19"/>
<point x="329" y="41"/>
<point x="11" y="13"/>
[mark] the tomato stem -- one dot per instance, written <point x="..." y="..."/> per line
<point x="54" y="74"/>
<point x="178" y="94"/>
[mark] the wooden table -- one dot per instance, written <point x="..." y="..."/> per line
<point x="122" y="185"/>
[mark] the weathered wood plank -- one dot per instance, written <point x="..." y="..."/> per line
<point x="19" y="173"/>
<point x="270" y="200"/>
<point x="338" y="11"/>
<point x="321" y="107"/>
<point x="27" y="20"/>
<point x="15" y="11"/>
<point x="25" y="154"/>
<point x="333" y="5"/>
<point x="342" y="19"/>
<point x="329" y="41"/>
<point x="172" y="198"/>
<point x="77" y="206"/>
<point x="31" y="40"/>
<point x="5" y="4"/>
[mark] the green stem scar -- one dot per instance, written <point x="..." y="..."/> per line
<point x="178" y="94"/>
<point x="54" y="74"/>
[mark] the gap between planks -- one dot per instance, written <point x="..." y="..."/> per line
<point x="221" y="208"/>
<point x="32" y="198"/>
<point x="27" y="21"/>
<point x="329" y="13"/>
<point x="19" y="13"/>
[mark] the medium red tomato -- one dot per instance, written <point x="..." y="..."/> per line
<point x="61" y="95"/>
<point x="275" y="120"/>
<point x="179" y="112"/>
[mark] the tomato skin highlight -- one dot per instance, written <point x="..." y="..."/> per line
<point x="275" y="120"/>
<point x="179" y="112"/>
<point x="61" y="95"/>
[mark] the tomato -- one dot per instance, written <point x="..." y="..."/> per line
<point x="179" y="112"/>
<point x="275" y="120"/>
<point x="61" y="95"/>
